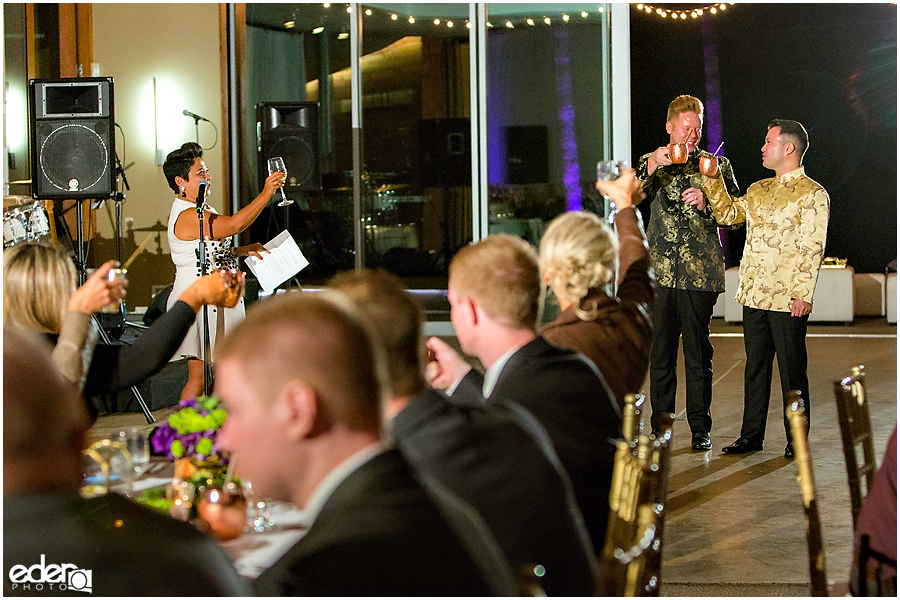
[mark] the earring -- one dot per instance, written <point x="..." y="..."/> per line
<point x="183" y="195"/>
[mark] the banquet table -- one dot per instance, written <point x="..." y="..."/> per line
<point x="254" y="551"/>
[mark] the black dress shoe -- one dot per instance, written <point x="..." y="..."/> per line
<point x="789" y="450"/>
<point x="701" y="441"/>
<point x="742" y="446"/>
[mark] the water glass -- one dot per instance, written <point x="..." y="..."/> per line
<point x="258" y="517"/>
<point x="135" y="439"/>
<point x="181" y="495"/>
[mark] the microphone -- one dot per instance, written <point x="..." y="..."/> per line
<point x="201" y="194"/>
<point x="188" y="113"/>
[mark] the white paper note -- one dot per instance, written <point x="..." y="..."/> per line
<point x="283" y="262"/>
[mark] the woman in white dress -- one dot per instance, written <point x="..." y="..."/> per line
<point x="184" y="169"/>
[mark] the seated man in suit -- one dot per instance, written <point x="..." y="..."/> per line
<point x="55" y="541"/>
<point x="494" y="456"/>
<point x="304" y="384"/>
<point x="496" y="297"/>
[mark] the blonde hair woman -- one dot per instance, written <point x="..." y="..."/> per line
<point x="578" y="255"/>
<point x="39" y="295"/>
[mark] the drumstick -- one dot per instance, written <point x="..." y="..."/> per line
<point x="138" y="251"/>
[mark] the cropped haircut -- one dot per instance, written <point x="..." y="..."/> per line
<point x="179" y="162"/>
<point x="43" y="414"/>
<point x="396" y="317"/>
<point x="794" y="131"/>
<point x="322" y="340"/>
<point x="501" y="275"/>
<point x="578" y="252"/>
<point x="683" y="104"/>
<point x="38" y="280"/>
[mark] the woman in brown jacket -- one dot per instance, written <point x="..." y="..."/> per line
<point x="578" y="259"/>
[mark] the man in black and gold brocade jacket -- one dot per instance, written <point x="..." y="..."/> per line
<point x="686" y="256"/>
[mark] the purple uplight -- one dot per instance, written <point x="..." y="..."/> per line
<point x="567" y="120"/>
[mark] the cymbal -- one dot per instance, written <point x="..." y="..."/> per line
<point x="156" y="227"/>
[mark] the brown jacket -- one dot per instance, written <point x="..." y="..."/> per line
<point x="618" y="340"/>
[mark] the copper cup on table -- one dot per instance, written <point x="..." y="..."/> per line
<point x="678" y="153"/>
<point x="234" y="282"/>
<point x="709" y="165"/>
<point x="224" y="509"/>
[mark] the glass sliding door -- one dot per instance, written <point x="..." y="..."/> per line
<point x="547" y="112"/>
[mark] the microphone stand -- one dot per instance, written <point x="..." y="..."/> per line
<point x="197" y="129"/>
<point x="207" y="366"/>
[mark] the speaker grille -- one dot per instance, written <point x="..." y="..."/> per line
<point x="299" y="158"/>
<point x="74" y="157"/>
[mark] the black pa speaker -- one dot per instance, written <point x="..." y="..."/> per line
<point x="526" y="154"/>
<point x="73" y="138"/>
<point x="445" y="152"/>
<point x="290" y="130"/>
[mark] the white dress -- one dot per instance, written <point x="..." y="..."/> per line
<point x="186" y="256"/>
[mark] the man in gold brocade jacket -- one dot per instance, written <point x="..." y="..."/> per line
<point x="787" y="223"/>
<point x="686" y="256"/>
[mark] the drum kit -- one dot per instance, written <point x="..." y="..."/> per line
<point x="25" y="220"/>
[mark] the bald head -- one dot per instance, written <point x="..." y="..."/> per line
<point x="44" y="419"/>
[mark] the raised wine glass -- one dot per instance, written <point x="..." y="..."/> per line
<point x="276" y="165"/>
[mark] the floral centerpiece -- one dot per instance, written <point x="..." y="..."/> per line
<point x="189" y="438"/>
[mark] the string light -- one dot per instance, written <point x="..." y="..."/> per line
<point x="318" y="30"/>
<point x="519" y="21"/>
<point x="682" y="14"/>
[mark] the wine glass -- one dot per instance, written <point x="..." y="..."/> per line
<point x="276" y="165"/>
<point x="609" y="170"/>
<point x="135" y="439"/>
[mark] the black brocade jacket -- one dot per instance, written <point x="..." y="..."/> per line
<point x="685" y="251"/>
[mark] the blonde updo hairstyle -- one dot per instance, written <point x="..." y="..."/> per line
<point x="578" y="256"/>
<point x="38" y="280"/>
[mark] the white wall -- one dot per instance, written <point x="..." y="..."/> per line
<point x="178" y="44"/>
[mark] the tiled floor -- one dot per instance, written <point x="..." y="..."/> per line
<point x="735" y="524"/>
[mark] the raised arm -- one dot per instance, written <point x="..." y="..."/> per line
<point x="187" y="226"/>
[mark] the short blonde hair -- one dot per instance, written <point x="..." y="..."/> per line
<point x="501" y="275"/>
<point x="38" y="280"/>
<point x="683" y="104"/>
<point x="396" y="317"/>
<point x="322" y="340"/>
<point x="578" y="253"/>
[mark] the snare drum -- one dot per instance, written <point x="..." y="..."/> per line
<point x="25" y="223"/>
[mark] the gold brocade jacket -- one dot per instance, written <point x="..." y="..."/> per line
<point x="685" y="251"/>
<point x="787" y="222"/>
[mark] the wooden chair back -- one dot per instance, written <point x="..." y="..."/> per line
<point x="631" y="417"/>
<point x="632" y="555"/>
<point x="795" y="414"/>
<point x="856" y="435"/>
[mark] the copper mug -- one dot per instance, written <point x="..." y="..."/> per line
<point x="678" y="153"/>
<point x="224" y="510"/>
<point x="234" y="282"/>
<point x="709" y="165"/>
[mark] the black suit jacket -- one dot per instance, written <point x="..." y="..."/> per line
<point x="129" y="549"/>
<point x="498" y="458"/>
<point x="383" y="533"/>
<point x="568" y="395"/>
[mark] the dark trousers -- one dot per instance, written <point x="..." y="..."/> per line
<point x="769" y="334"/>
<point x="685" y="314"/>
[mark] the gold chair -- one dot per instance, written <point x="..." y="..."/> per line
<point x="796" y="416"/>
<point x="632" y="425"/>
<point x="631" y="558"/>
<point x="856" y="434"/>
